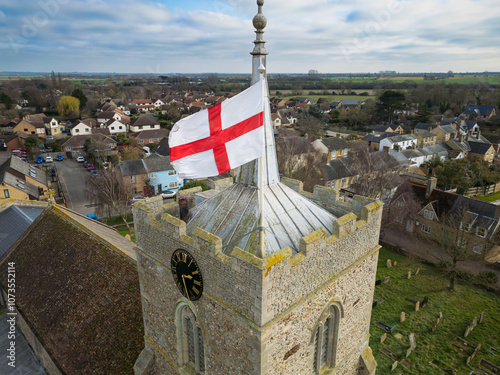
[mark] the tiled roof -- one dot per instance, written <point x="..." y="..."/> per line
<point x="479" y="147"/>
<point x="149" y="134"/>
<point x="79" y="295"/>
<point x="132" y="167"/>
<point x="483" y="110"/>
<point x="335" y="143"/>
<point x="143" y="120"/>
<point x="162" y="148"/>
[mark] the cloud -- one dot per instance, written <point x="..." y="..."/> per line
<point x="216" y="36"/>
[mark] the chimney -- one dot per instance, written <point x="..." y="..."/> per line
<point x="431" y="185"/>
<point x="183" y="208"/>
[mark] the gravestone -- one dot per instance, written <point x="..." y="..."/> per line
<point x="404" y="363"/>
<point x="434" y="327"/>
<point x="409" y="274"/>
<point x="386" y="280"/>
<point x="395" y="264"/>
<point x="383" y="337"/>
<point x="394" y="365"/>
<point x="474" y="322"/>
<point x="417" y="271"/>
<point x="424" y="302"/>
<point x="408" y="352"/>
<point x="440" y="315"/>
<point x="417" y="306"/>
<point x="127" y="236"/>
<point x="413" y="341"/>
<point x="402" y="317"/>
<point x="481" y="317"/>
<point x="389" y="263"/>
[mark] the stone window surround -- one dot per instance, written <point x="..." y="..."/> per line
<point x="335" y="312"/>
<point x="185" y="310"/>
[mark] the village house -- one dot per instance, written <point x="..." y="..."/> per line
<point x="150" y="136"/>
<point x="389" y="128"/>
<point x="478" y="112"/>
<point x="20" y="180"/>
<point x="80" y="128"/>
<point x="143" y="122"/>
<point x="36" y="129"/>
<point x="400" y="142"/>
<point x="143" y="105"/>
<point x="426" y="138"/>
<point x="333" y="147"/>
<point x="75" y="145"/>
<point x="116" y="127"/>
<point x="485" y="151"/>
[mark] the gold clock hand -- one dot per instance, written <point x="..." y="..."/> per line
<point x="189" y="277"/>
<point x="185" y="288"/>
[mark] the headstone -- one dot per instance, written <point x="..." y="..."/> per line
<point x="383" y="337"/>
<point x="424" y="302"/>
<point x="389" y="263"/>
<point x="404" y="363"/>
<point x="417" y="306"/>
<point x="474" y="322"/>
<point x="395" y="264"/>
<point x="394" y="365"/>
<point x="440" y="315"/>
<point x="409" y="274"/>
<point x="467" y="331"/>
<point x="417" y="271"/>
<point x="386" y="280"/>
<point x="127" y="236"/>
<point x="408" y="352"/>
<point x="481" y="317"/>
<point x="378" y="282"/>
<point x="434" y="327"/>
<point x="438" y="320"/>
<point x="413" y="341"/>
<point x="402" y="317"/>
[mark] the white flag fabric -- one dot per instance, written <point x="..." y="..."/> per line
<point x="223" y="137"/>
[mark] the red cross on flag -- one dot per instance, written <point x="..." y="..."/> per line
<point x="221" y="138"/>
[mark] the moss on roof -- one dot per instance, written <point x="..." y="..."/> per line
<point x="80" y="296"/>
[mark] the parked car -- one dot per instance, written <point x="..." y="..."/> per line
<point x="50" y="138"/>
<point x="39" y="159"/>
<point x="93" y="217"/>
<point x="90" y="167"/>
<point x="136" y="198"/>
<point x="59" y="157"/>
<point x="80" y="159"/>
<point x="86" y="163"/>
<point x="94" y="173"/>
<point x="48" y="159"/>
<point x="167" y="194"/>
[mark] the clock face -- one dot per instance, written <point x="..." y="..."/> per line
<point x="187" y="274"/>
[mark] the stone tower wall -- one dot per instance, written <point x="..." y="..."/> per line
<point x="258" y="315"/>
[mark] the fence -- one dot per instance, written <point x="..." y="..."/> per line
<point x="484" y="190"/>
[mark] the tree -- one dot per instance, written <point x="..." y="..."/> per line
<point x="6" y="99"/>
<point x="68" y="106"/>
<point x="110" y="192"/>
<point x="311" y="126"/>
<point x="389" y="102"/>
<point x="132" y="153"/>
<point x="78" y="93"/>
<point x="424" y="114"/>
<point x="291" y="151"/>
<point x="453" y="235"/>
<point x="31" y="142"/>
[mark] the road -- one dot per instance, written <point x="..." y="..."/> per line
<point x="72" y="176"/>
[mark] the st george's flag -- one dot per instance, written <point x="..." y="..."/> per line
<point x="223" y="137"/>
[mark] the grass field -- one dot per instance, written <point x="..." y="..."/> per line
<point x="489" y="198"/>
<point x="434" y="350"/>
<point x="332" y="98"/>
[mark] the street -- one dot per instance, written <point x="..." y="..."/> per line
<point x="72" y="176"/>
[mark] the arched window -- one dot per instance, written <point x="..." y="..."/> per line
<point x="326" y="337"/>
<point x="190" y="340"/>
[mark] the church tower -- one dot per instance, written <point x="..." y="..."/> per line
<point x="262" y="278"/>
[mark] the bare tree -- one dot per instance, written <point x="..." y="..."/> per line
<point x="454" y="236"/>
<point x="292" y="152"/>
<point x="110" y="193"/>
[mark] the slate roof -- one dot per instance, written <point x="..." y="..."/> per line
<point x="378" y="137"/>
<point x="158" y="163"/>
<point x="335" y="143"/>
<point x="336" y="169"/>
<point x="381" y="128"/>
<point x="483" y="110"/>
<point x="14" y="220"/>
<point x="439" y="149"/>
<point x="87" y="306"/>
<point x="143" y="120"/>
<point x="18" y="169"/>
<point x="479" y="147"/>
<point x="492" y="138"/>
<point x="349" y="102"/>
<point x="149" y="134"/>
<point x="162" y="148"/>
<point x="448" y="129"/>
<point x="106" y="115"/>
<point x="425" y="126"/>
<point x="132" y="167"/>
<point x="402" y="138"/>
<point x="426" y="134"/>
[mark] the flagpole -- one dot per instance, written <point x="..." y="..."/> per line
<point x="262" y="71"/>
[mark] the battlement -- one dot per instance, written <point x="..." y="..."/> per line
<point x="151" y="212"/>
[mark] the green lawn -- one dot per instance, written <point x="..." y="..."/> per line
<point x="489" y="198"/>
<point x="124" y="231"/>
<point x="458" y="308"/>
<point x="334" y="98"/>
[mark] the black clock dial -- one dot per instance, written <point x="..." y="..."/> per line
<point x="187" y="274"/>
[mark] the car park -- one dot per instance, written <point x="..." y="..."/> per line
<point x="167" y="194"/>
<point x="48" y="159"/>
<point x="80" y="159"/>
<point x="59" y="157"/>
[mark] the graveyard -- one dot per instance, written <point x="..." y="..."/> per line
<point x="419" y="326"/>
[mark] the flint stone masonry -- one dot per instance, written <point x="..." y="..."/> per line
<point x="254" y="311"/>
